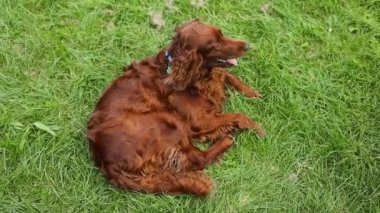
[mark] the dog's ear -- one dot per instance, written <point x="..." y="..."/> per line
<point x="187" y="68"/>
<point x="179" y="28"/>
<point x="187" y="64"/>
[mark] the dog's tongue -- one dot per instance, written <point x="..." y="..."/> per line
<point x="232" y="61"/>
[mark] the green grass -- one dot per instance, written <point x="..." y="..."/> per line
<point x="317" y="63"/>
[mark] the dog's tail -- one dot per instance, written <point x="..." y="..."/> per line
<point x="189" y="182"/>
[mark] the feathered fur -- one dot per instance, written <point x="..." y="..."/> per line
<point x="141" y="131"/>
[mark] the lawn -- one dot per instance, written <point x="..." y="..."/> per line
<point x="317" y="63"/>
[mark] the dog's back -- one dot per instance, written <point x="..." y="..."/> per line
<point x="136" y="144"/>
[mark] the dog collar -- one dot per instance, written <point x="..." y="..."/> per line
<point x="169" y="58"/>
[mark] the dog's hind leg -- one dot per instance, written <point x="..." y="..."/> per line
<point x="185" y="182"/>
<point x="198" y="159"/>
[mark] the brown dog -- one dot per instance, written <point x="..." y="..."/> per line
<point x="141" y="131"/>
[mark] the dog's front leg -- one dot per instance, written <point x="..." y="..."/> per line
<point x="237" y="84"/>
<point x="214" y="127"/>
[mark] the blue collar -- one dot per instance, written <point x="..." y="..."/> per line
<point x="169" y="58"/>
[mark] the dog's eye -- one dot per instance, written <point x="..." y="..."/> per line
<point x="220" y="38"/>
<point x="213" y="43"/>
<point x="216" y="45"/>
<point x="219" y="41"/>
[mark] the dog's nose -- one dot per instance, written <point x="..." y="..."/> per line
<point x="247" y="47"/>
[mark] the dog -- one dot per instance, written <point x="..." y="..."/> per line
<point x="142" y="130"/>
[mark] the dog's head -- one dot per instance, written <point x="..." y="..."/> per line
<point x="196" y="48"/>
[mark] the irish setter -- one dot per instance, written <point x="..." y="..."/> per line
<point x="142" y="130"/>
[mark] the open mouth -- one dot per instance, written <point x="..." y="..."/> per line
<point x="225" y="62"/>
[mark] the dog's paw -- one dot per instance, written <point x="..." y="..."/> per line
<point x="243" y="122"/>
<point x="260" y="131"/>
<point x="253" y="94"/>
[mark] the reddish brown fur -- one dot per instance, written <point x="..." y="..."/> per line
<point x="141" y="131"/>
